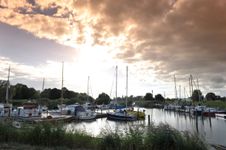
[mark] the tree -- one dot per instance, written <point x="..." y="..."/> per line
<point x="197" y="95"/>
<point x="211" y="96"/>
<point x="148" y="96"/>
<point x="22" y="91"/>
<point x="69" y="94"/>
<point x="103" y="98"/>
<point x="55" y="93"/>
<point x="45" y="93"/>
<point x="2" y="90"/>
<point x="159" y="97"/>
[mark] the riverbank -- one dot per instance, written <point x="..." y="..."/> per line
<point x="18" y="146"/>
<point x="153" y="137"/>
<point x="155" y="104"/>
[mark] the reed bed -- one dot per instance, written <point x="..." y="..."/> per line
<point x="161" y="137"/>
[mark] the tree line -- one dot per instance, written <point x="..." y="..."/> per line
<point x="21" y="91"/>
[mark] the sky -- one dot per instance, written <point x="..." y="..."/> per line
<point x="156" y="39"/>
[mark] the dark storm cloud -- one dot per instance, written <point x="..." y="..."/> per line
<point x="185" y="37"/>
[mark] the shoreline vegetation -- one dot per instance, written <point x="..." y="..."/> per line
<point x="47" y="136"/>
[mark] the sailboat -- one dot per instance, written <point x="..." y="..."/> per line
<point x="87" y="114"/>
<point x="80" y="112"/>
<point x="6" y="108"/>
<point x="121" y="114"/>
<point x="137" y="113"/>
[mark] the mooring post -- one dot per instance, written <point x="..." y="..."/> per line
<point x="149" y="120"/>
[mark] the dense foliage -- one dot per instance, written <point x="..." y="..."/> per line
<point x="103" y="98"/>
<point x="20" y="93"/>
<point x="148" y="96"/>
<point x="197" y="95"/>
<point x="154" y="138"/>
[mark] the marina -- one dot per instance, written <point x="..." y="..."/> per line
<point x="210" y="128"/>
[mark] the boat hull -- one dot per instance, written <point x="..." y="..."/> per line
<point x="212" y="114"/>
<point x="221" y="115"/>
<point x="120" y="117"/>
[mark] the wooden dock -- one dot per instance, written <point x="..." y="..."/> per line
<point x="101" y="115"/>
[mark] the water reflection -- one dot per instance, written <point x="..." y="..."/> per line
<point x="212" y="129"/>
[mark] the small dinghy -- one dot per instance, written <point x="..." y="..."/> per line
<point x="16" y="124"/>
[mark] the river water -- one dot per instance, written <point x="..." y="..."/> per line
<point x="212" y="129"/>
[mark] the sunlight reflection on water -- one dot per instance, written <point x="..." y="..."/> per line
<point x="212" y="129"/>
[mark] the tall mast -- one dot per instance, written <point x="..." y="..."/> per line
<point x="43" y="84"/>
<point x="179" y="91"/>
<point x="175" y="86"/>
<point x="116" y="82"/>
<point x="88" y="89"/>
<point x="62" y="85"/>
<point x="7" y="88"/>
<point x="126" y="84"/>
<point x="191" y="80"/>
<point x="198" y="83"/>
<point x="198" y="89"/>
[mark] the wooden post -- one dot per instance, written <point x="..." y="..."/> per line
<point x="149" y="120"/>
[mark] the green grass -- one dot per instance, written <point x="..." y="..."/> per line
<point x="161" y="137"/>
<point x="216" y="104"/>
<point x="136" y="138"/>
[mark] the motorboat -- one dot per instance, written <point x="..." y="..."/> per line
<point x="28" y="110"/>
<point x="79" y="112"/>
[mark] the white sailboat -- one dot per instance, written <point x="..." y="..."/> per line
<point x="87" y="113"/>
<point x="6" y="108"/>
<point x="80" y="112"/>
<point x="121" y="115"/>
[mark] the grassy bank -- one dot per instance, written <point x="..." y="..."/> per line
<point x="153" y="137"/>
<point x="216" y="104"/>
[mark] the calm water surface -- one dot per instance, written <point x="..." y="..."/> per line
<point x="212" y="129"/>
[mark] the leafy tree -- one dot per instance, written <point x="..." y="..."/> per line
<point x="159" y="97"/>
<point x="69" y="94"/>
<point x="2" y="90"/>
<point x="148" y="96"/>
<point x="103" y="98"/>
<point x="45" y="93"/>
<point x="197" y="95"/>
<point x="21" y="91"/>
<point x="211" y="96"/>
<point x="54" y="93"/>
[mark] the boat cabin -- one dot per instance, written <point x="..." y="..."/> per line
<point x="5" y="110"/>
<point x="28" y="110"/>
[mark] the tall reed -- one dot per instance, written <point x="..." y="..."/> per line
<point x="159" y="137"/>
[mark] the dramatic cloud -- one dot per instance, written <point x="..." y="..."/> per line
<point x="170" y="37"/>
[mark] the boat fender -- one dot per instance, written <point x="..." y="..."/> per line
<point x="49" y="117"/>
